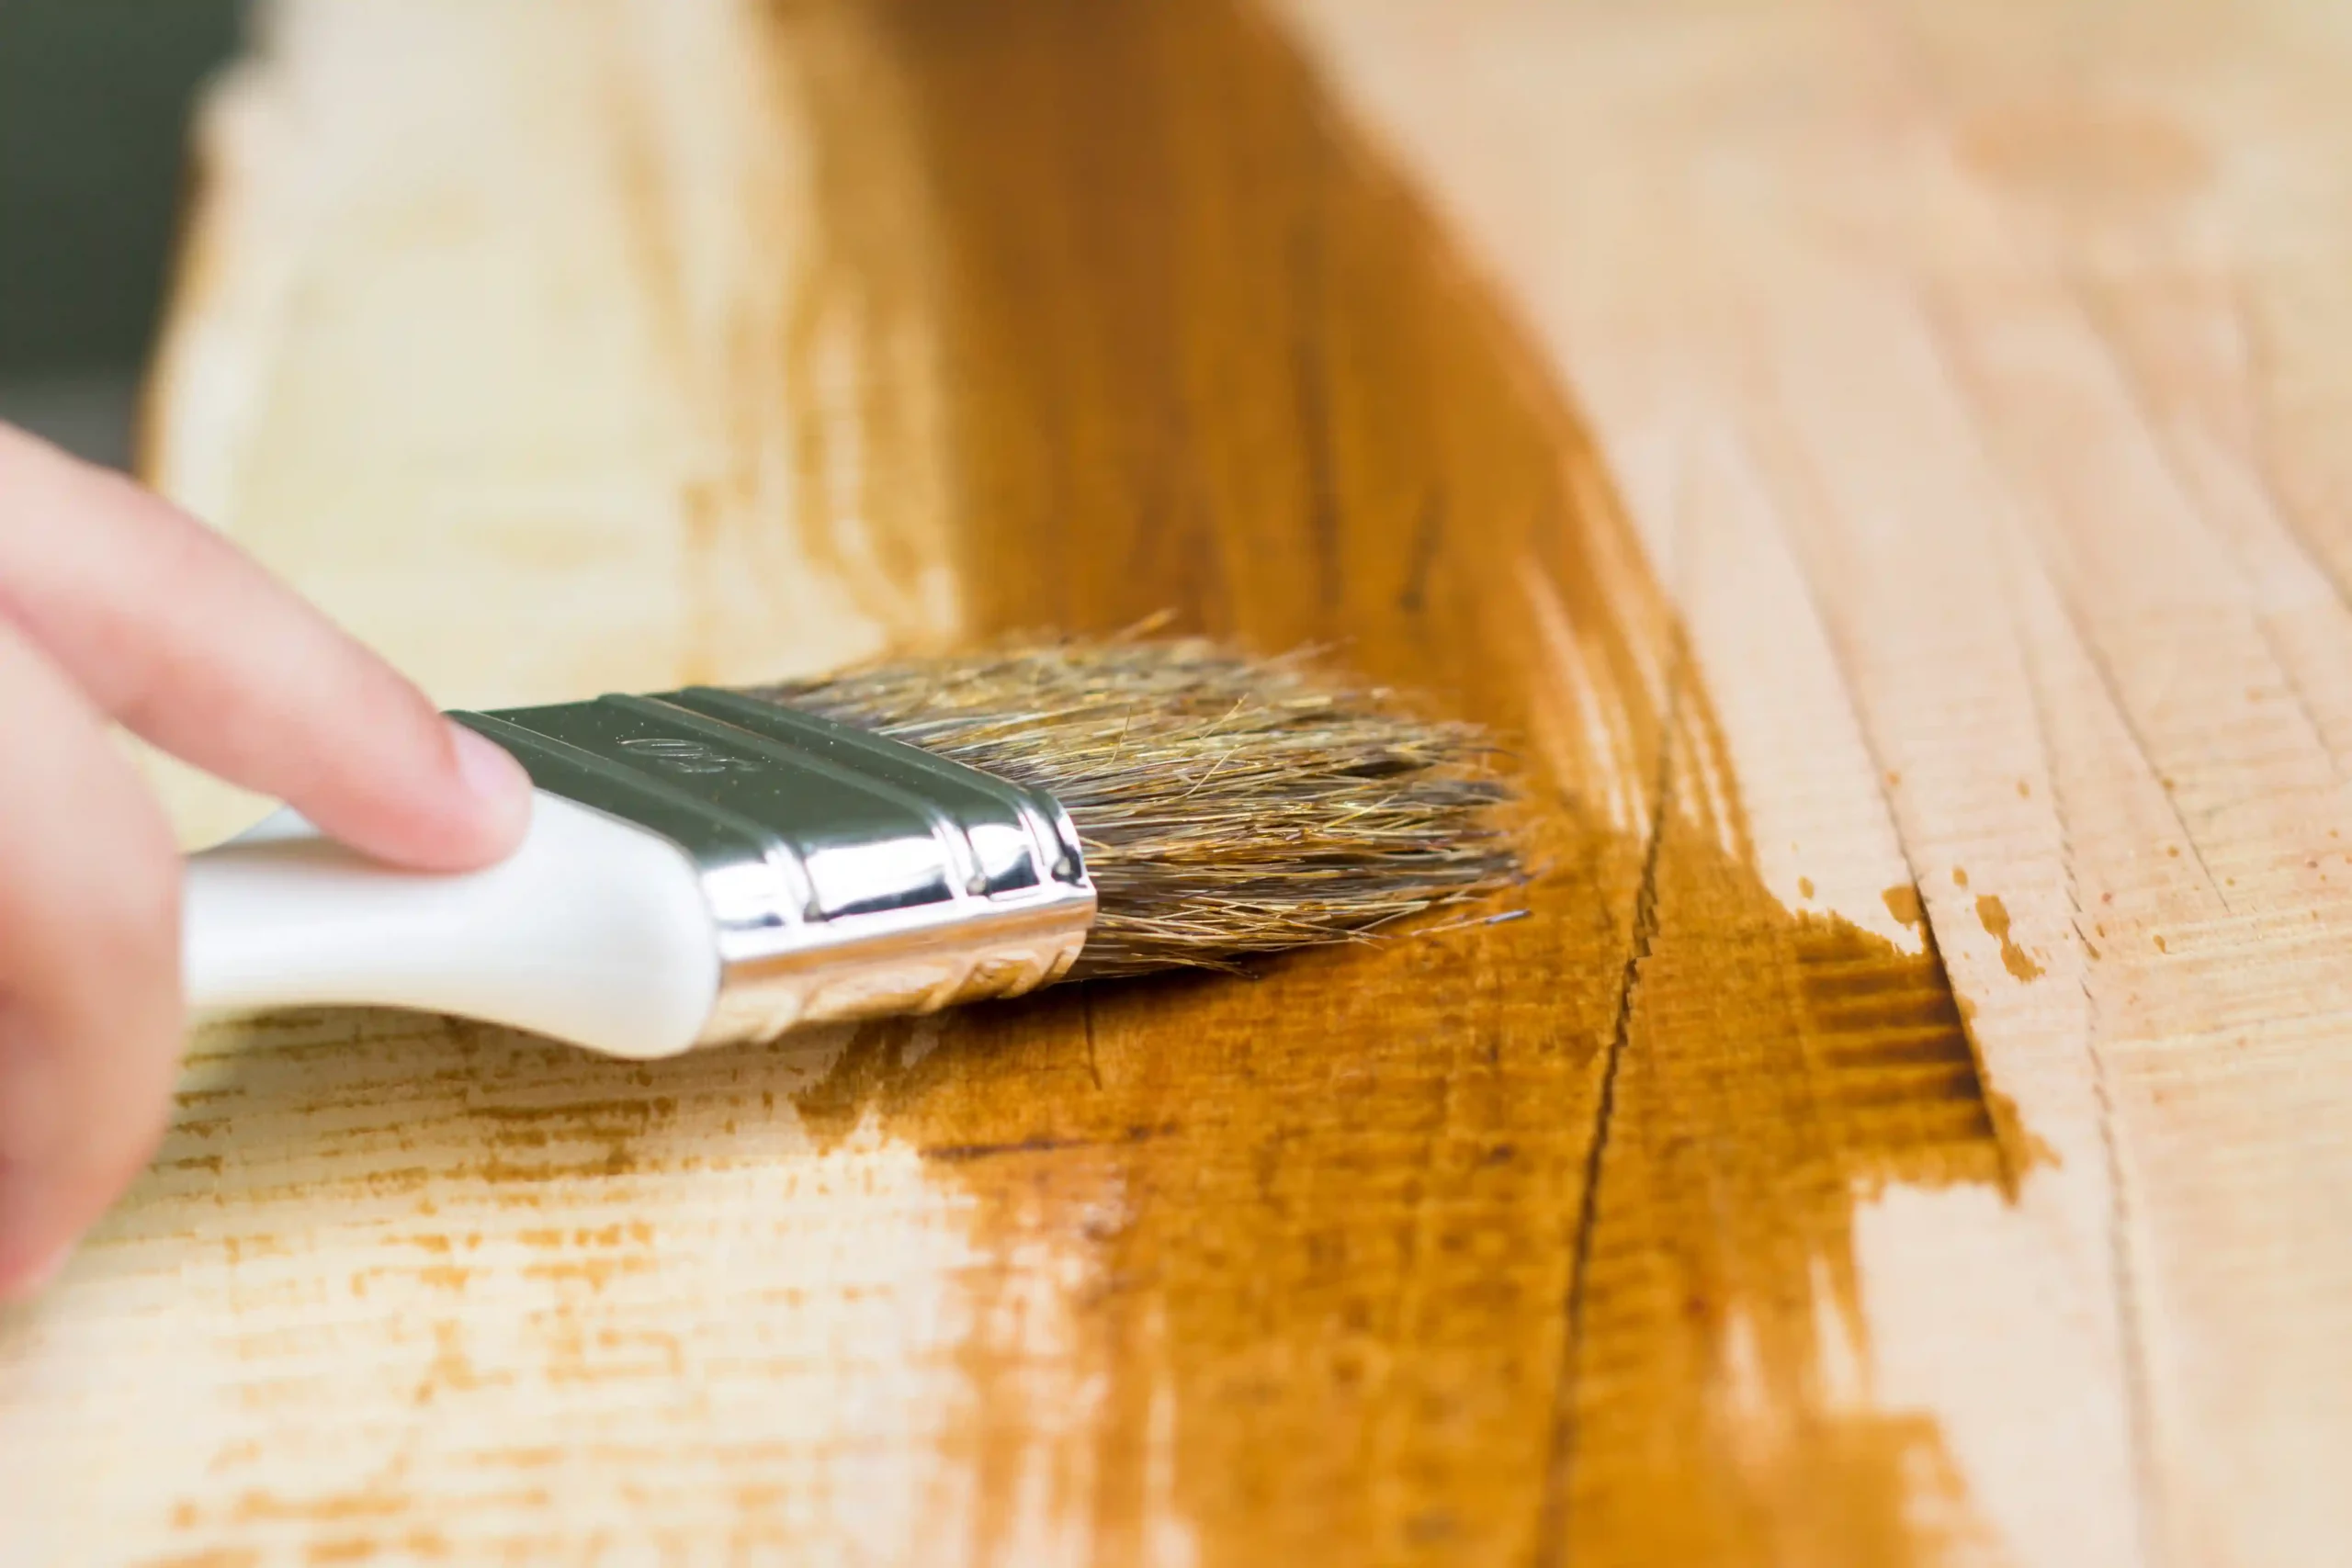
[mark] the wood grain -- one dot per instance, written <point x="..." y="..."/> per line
<point x="1875" y="462"/>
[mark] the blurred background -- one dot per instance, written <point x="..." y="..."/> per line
<point x="94" y="101"/>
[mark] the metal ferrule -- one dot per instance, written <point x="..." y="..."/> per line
<point x="848" y="875"/>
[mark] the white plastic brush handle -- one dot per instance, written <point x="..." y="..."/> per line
<point x="593" y="931"/>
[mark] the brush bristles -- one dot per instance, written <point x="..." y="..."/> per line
<point x="1228" y="805"/>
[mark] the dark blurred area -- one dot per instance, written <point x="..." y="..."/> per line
<point x="95" y="96"/>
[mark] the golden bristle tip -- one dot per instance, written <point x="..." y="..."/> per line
<point x="1227" y="804"/>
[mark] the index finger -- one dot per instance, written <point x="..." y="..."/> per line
<point x="187" y="642"/>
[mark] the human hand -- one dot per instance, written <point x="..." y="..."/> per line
<point x="116" y="606"/>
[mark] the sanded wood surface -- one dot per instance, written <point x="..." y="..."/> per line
<point x="1880" y="463"/>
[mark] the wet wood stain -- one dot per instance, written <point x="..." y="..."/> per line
<point x="1525" y="1243"/>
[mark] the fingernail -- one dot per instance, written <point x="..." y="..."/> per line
<point x="26" y="1283"/>
<point x="490" y="771"/>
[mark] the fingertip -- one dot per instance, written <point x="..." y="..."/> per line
<point x="50" y="1198"/>
<point x="497" y="787"/>
<point x="22" y="1283"/>
<point x="421" y="792"/>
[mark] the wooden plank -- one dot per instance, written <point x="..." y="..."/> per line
<point x="1879" y="1147"/>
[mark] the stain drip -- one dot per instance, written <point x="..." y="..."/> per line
<point x="1994" y="917"/>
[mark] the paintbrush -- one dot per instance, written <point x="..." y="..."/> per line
<point x="705" y="866"/>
